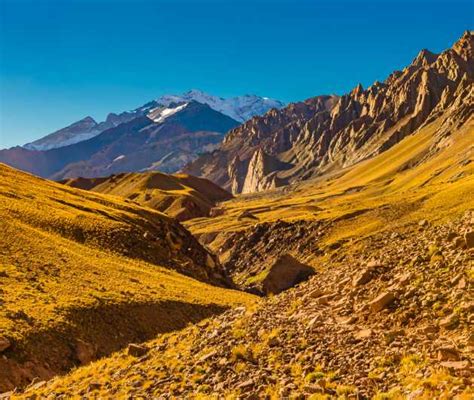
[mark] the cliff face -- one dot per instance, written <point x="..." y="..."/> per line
<point x="329" y="132"/>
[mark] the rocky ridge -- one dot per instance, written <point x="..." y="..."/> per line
<point x="330" y="132"/>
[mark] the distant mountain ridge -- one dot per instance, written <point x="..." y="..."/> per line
<point x="328" y="133"/>
<point x="165" y="140"/>
<point x="240" y="108"/>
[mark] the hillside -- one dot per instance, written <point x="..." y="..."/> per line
<point x="327" y="133"/>
<point x="180" y="196"/>
<point x="83" y="275"/>
<point x="386" y="316"/>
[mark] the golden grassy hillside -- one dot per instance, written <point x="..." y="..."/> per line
<point x="83" y="274"/>
<point x="398" y="220"/>
<point x="417" y="178"/>
<point x="180" y="196"/>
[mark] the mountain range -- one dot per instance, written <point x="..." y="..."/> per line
<point x="164" y="134"/>
<point x="166" y="139"/>
<point x="330" y="133"/>
<point x="240" y="108"/>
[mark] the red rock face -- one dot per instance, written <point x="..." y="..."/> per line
<point x="329" y="132"/>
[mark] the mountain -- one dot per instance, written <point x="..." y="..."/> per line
<point x="85" y="129"/>
<point x="180" y="196"/>
<point x="165" y="139"/>
<point x="239" y="108"/>
<point x="76" y="132"/>
<point x="329" y="133"/>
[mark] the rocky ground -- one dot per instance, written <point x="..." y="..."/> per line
<point x="247" y="253"/>
<point x="388" y="317"/>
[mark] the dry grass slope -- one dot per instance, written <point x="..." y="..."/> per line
<point x="326" y="339"/>
<point x="83" y="274"/>
<point x="180" y="196"/>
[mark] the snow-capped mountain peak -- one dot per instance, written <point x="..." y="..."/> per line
<point x="240" y="108"/>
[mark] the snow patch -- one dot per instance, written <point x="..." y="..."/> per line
<point x="160" y="114"/>
<point x="121" y="157"/>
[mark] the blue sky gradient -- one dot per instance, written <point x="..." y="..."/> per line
<point x="61" y="60"/>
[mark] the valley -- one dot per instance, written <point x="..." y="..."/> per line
<point x="321" y="250"/>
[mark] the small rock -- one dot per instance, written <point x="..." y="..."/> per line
<point x="315" y="294"/>
<point x="459" y="365"/>
<point x="427" y="330"/>
<point x="449" y="322"/>
<point x="324" y="300"/>
<point x="348" y="320"/>
<point x="313" y="321"/>
<point x="373" y="264"/>
<point x="363" y="277"/>
<point x="246" y="214"/>
<point x="84" y="351"/>
<point x="448" y="354"/>
<point x="423" y="223"/>
<point x="37" y="385"/>
<point x="382" y="301"/>
<point x="207" y="356"/>
<point x="137" y="350"/>
<point x="456" y="279"/>
<point x="451" y="236"/>
<point x="245" y="384"/>
<point x="273" y="341"/>
<point x="94" y="386"/>
<point x="459" y="243"/>
<point x="222" y="362"/>
<point x="363" y="334"/>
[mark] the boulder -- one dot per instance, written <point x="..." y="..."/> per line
<point x="137" y="350"/>
<point x="448" y="354"/>
<point x="381" y="301"/>
<point x="285" y="273"/>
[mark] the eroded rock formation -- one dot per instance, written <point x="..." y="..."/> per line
<point x="330" y="132"/>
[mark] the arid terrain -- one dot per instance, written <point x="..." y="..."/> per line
<point x="342" y="266"/>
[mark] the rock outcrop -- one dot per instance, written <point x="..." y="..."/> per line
<point x="330" y="132"/>
<point x="262" y="173"/>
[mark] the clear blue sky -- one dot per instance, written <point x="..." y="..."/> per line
<point x="61" y="60"/>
